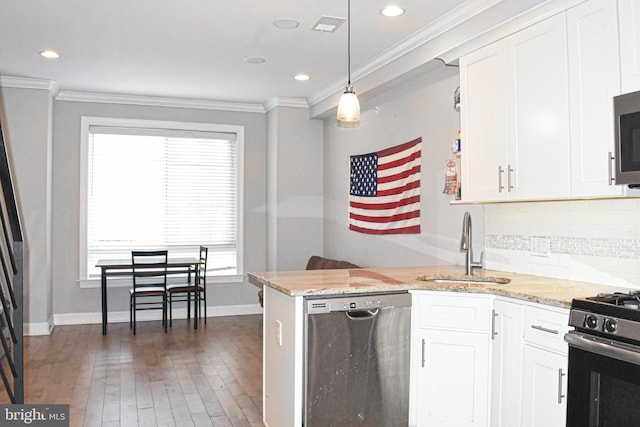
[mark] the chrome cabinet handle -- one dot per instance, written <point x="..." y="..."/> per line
<point x="493" y="324"/>
<point x="560" y="395"/>
<point x="610" y="160"/>
<point x="543" y="329"/>
<point x="500" y="186"/>
<point x="423" y="352"/>
<point x="509" y="186"/>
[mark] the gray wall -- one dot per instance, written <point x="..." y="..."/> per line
<point x="294" y="231"/>
<point x="68" y="297"/>
<point x="26" y="124"/>
<point x="422" y="107"/>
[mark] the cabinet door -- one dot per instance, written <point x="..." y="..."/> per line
<point x="483" y="96"/>
<point x="452" y="378"/>
<point x="506" y="363"/>
<point x="544" y="387"/>
<point x="594" y="80"/>
<point x="539" y="104"/>
<point x="629" y="20"/>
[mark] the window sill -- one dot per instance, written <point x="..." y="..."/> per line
<point x="126" y="283"/>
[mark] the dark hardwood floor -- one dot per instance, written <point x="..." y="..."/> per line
<point x="206" y="377"/>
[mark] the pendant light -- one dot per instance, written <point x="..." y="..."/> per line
<point x="349" y="107"/>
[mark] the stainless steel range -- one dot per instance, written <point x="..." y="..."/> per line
<point x="604" y="361"/>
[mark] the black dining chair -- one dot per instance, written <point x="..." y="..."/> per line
<point x="149" y="291"/>
<point x="182" y="292"/>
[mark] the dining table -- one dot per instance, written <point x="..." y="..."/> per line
<point x="123" y="267"/>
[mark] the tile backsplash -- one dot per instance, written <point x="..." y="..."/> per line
<point x="584" y="246"/>
<point x="587" y="240"/>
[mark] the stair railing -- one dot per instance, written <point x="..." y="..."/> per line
<point x="11" y="284"/>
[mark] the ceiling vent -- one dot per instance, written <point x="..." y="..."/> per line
<point x="328" y="24"/>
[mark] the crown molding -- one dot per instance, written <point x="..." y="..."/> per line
<point x="426" y="34"/>
<point x="29" y="83"/>
<point x="516" y="22"/>
<point x="106" y="98"/>
<point x="286" y="102"/>
<point x="464" y="29"/>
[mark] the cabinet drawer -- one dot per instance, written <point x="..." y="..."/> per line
<point x="453" y="312"/>
<point x="546" y="327"/>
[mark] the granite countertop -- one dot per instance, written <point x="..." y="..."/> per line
<point x="544" y="290"/>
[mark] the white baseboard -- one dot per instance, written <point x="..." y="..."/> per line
<point x="123" y="316"/>
<point x="34" y="329"/>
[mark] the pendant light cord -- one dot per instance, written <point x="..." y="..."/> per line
<point x="349" y="40"/>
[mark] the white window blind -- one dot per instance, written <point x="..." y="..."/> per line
<point x="161" y="188"/>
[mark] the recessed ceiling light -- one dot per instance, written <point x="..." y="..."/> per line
<point x="286" y="23"/>
<point x="254" y="60"/>
<point x="302" y="77"/>
<point x="392" y="11"/>
<point x="50" y="54"/>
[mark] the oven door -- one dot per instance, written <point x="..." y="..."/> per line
<point x="604" y="382"/>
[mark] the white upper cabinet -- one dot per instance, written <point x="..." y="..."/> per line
<point x="629" y="19"/>
<point x="594" y="72"/>
<point x="483" y="93"/>
<point x="515" y="116"/>
<point x="539" y="103"/>
<point x="557" y="125"/>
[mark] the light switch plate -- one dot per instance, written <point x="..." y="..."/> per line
<point x="540" y="246"/>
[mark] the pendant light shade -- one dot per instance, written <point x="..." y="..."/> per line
<point x="349" y="107"/>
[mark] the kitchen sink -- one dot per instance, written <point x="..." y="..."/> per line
<point x="464" y="278"/>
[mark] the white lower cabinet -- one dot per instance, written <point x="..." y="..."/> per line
<point x="506" y="363"/>
<point x="479" y="360"/>
<point x="544" y="367"/>
<point x="453" y="380"/>
<point x="529" y="364"/>
<point x="544" y="386"/>
<point x="450" y="360"/>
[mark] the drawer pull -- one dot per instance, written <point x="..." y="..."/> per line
<point x="543" y="329"/>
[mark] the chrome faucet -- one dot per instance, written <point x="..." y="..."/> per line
<point x="466" y="245"/>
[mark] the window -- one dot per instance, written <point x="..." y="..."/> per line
<point x="160" y="185"/>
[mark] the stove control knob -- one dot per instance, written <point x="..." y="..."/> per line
<point x="591" y="321"/>
<point x="610" y="326"/>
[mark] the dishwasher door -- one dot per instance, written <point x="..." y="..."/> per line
<point x="357" y="361"/>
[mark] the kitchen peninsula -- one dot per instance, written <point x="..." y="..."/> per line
<point x="478" y="307"/>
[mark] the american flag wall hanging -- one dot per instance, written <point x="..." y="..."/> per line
<point x="384" y="196"/>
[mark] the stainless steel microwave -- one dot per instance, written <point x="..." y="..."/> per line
<point x="627" y="138"/>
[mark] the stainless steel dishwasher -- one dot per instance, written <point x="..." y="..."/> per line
<point x="357" y="361"/>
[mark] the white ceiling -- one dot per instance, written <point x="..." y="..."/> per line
<point x="195" y="48"/>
